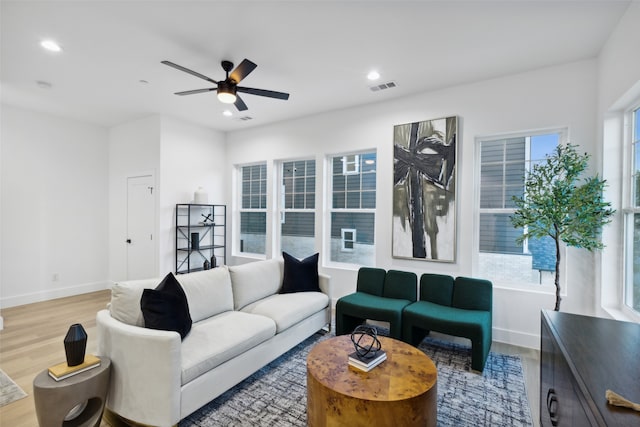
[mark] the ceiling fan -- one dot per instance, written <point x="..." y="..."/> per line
<point x="228" y="88"/>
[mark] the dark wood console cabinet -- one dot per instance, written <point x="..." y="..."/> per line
<point x="580" y="358"/>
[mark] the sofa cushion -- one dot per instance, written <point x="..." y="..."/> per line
<point x="125" y="300"/>
<point x="254" y="281"/>
<point x="208" y="292"/>
<point x="166" y="308"/>
<point x="220" y="338"/>
<point x="300" y="275"/>
<point x="288" y="309"/>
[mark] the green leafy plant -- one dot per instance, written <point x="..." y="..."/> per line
<point x="556" y="203"/>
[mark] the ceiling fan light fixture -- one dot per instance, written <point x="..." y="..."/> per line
<point x="226" y="93"/>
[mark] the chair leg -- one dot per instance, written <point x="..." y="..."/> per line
<point x="345" y="324"/>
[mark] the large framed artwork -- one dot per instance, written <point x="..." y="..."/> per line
<point x="424" y="190"/>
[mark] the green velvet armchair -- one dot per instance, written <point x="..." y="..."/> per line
<point x="462" y="307"/>
<point x="379" y="296"/>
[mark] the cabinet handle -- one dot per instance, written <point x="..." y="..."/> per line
<point x="552" y="406"/>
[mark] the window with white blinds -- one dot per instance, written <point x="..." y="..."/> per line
<point x="253" y="208"/>
<point x="297" y="208"/>
<point x="503" y="165"/>
<point x="632" y="217"/>
<point x="353" y="204"/>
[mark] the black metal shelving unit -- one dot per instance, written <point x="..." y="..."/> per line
<point x="201" y="234"/>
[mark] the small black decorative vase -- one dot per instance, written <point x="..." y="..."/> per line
<point x="206" y="265"/>
<point x="214" y="261"/>
<point x="75" y="344"/>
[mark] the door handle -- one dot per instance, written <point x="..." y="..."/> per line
<point x="128" y="241"/>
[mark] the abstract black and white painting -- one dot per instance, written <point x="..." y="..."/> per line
<point x="424" y="190"/>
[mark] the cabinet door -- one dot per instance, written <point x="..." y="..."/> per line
<point x="548" y="399"/>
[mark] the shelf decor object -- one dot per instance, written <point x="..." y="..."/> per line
<point x="201" y="235"/>
<point x="75" y="344"/>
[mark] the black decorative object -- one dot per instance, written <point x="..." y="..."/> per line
<point x="214" y="261"/>
<point x="206" y="265"/>
<point x="195" y="241"/>
<point x="75" y="344"/>
<point x="368" y="348"/>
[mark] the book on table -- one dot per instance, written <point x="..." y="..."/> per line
<point x="367" y="364"/>
<point x="62" y="370"/>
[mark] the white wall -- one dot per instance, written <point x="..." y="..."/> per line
<point x="190" y="157"/>
<point x="54" y="207"/>
<point x="618" y="88"/>
<point x="134" y="150"/>
<point x="181" y="157"/>
<point x="548" y="98"/>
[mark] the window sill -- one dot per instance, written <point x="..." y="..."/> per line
<point x="536" y="289"/>
<point x="618" y="314"/>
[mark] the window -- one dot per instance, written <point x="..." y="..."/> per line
<point x="253" y="210"/>
<point x="348" y="239"/>
<point x="504" y="163"/>
<point x="632" y="218"/>
<point x="353" y="204"/>
<point x="297" y="210"/>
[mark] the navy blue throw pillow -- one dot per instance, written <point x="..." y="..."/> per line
<point x="166" y="308"/>
<point x="300" y="275"/>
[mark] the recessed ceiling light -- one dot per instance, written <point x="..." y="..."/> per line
<point x="373" y="75"/>
<point x="227" y="113"/>
<point x="51" y="46"/>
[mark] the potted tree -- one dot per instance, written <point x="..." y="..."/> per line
<point x="556" y="204"/>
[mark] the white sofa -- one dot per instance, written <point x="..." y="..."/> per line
<point x="240" y="323"/>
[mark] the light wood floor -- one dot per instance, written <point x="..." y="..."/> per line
<point x="32" y="340"/>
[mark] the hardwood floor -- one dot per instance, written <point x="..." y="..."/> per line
<point x="32" y="340"/>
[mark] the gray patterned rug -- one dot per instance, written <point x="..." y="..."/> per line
<point x="9" y="390"/>
<point x="276" y="394"/>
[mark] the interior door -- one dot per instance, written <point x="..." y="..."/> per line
<point x="140" y="241"/>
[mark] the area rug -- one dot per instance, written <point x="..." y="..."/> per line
<point x="9" y="390"/>
<point x="276" y="394"/>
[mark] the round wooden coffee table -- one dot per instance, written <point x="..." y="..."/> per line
<point x="401" y="391"/>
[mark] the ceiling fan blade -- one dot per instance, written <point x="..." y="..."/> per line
<point x="240" y="105"/>
<point x="242" y="70"/>
<point x="186" y="70"/>
<point x="263" y="92"/>
<point x="191" y="92"/>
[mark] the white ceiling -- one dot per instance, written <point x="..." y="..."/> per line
<point x="318" y="51"/>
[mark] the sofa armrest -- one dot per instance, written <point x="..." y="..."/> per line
<point x="146" y="371"/>
<point x="325" y="284"/>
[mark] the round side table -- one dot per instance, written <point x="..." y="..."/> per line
<point x="84" y="393"/>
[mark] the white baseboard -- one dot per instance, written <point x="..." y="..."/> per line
<point x="1" y="323"/>
<point x="517" y="338"/>
<point x="46" y="295"/>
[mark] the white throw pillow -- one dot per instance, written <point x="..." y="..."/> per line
<point x="125" y="300"/>
<point x="255" y="280"/>
<point x="208" y="292"/>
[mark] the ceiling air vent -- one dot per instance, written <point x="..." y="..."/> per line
<point x="383" y="86"/>
<point x="245" y="118"/>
